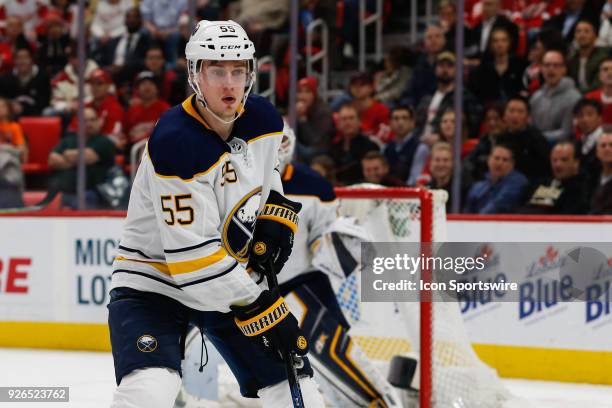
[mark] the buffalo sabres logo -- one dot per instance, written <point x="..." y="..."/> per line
<point x="239" y="225"/>
<point x="146" y="343"/>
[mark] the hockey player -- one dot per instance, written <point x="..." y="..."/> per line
<point x="194" y="207"/>
<point x="346" y="376"/>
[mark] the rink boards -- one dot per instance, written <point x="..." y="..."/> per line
<point x="55" y="272"/>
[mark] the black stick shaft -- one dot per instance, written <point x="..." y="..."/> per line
<point x="287" y="356"/>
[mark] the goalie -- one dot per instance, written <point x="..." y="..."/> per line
<point x="346" y="377"/>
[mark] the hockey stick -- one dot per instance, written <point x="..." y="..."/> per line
<point x="291" y="360"/>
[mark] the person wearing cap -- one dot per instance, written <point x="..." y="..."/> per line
<point x="106" y="105"/>
<point x="430" y="110"/>
<point x="373" y="114"/>
<point x="315" y="125"/>
<point x="142" y="115"/>
<point x="27" y="86"/>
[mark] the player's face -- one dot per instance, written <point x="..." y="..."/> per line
<point x="222" y="84"/>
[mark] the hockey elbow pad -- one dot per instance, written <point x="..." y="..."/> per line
<point x="274" y="231"/>
<point x="268" y="321"/>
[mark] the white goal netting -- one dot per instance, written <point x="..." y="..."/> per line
<point x="459" y="379"/>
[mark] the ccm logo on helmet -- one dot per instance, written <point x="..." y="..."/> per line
<point x="230" y="47"/>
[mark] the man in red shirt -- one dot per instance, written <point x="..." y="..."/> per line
<point x="142" y="116"/>
<point x="107" y="107"/>
<point x="604" y="94"/>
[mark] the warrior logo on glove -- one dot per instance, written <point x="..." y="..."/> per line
<point x="264" y="321"/>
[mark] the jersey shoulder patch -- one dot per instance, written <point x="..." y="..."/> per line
<point x="181" y="147"/>
<point x="300" y="179"/>
<point x="260" y="118"/>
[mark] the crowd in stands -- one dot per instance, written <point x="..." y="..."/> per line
<point x="537" y="96"/>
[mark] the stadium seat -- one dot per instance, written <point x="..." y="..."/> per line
<point x="42" y="133"/>
<point x="31" y="198"/>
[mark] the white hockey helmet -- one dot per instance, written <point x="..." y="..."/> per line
<point x="287" y="147"/>
<point x="219" y="41"/>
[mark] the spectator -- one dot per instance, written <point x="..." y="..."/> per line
<point x="552" y="104"/>
<point x="601" y="202"/>
<point x="54" y="46"/>
<point x="13" y="152"/>
<point x="27" y="86"/>
<point x="12" y="40"/>
<point x="99" y="158"/>
<point x="589" y="123"/>
<point x="11" y="133"/>
<point x="584" y="64"/>
<point x="376" y="170"/>
<point x="423" y="81"/>
<point x="529" y="147"/>
<point x="65" y="86"/>
<point x="446" y="131"/>
<point x="503" y="188"/>
<point x="546" y="39"/>
<point x="605" y="27"/>
<point x="315" y="125"/>
<point x="390" y="82"/>
<point x="161" y="20"/>
<point x="441" y="171"/>
<point x="324" y="165"/>
<point x="127" y="52"/>
<point x="566" y="191"/>
<point x="475" y="164"/>
<point x="156" y="63"/>
<point x="107" y="107"/>
<point x="492" y="19"/>
<point x="431" y="108"/>
<point x="447" y="10"/>
<point x="28" y="11"/>
<point x="142" y="116"/>
<point x="604" y="94"/>
<point x="574" y="11"/>
<point x="405" y="154"/>
<point x="352" y="146"/>
<point x="499" y="75"/>
<point x="108" y="20"/>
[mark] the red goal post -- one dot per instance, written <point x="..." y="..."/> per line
<point x="425" y="198"/>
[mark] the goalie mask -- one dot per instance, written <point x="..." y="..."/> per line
<point x="220" y="41"/>
<point x="287" y="147"/>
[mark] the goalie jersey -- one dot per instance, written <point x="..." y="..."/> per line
<point x="319" y="210"/>
<point x="193" y="207"/>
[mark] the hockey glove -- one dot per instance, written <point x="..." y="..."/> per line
<point x="269" y="321"/>
<point x="273" y="236"/>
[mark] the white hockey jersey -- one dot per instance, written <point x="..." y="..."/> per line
<point x="193" y="207"/>
<point x="319" y="207"/>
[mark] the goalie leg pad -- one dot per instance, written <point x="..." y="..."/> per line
<point x="341" y="368"/>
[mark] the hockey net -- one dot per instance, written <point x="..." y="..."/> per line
<point x="451" y="374"/>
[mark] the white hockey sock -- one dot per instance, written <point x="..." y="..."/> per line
<point x="153" y="387"/>
<point x="278" y="396"/>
